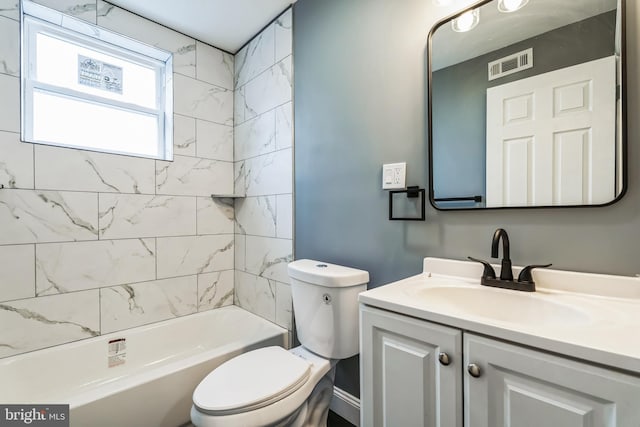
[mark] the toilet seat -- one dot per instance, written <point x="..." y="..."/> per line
<point x="251" y="381"/>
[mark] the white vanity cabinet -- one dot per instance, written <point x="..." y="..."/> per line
<point x="410" y="371"/>
<point x="521" y="387"/>
<point x="406" y="382"/>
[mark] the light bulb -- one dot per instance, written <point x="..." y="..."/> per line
<point x="508" y="6"/>
<point x="467" y="21"/>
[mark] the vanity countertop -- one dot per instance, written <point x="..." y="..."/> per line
<point x="593" y="317"/>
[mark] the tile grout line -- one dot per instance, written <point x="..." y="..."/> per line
<point x="62" y="242"/>
<point x="127" y="283"/>
<point x="155" y="255"/>
<point x="35" y="272"/>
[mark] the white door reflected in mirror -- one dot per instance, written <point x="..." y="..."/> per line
<point x="551" y="138"/>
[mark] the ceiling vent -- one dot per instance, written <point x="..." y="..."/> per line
<point x="511" y="64"/>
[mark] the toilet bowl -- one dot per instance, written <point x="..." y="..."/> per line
<point x="263" y="387"/>
<point x="275" y="387"/>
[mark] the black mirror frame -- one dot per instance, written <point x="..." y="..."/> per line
<point x="623" y="116"/>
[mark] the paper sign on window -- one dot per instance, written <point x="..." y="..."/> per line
<point x="98" y="74"/>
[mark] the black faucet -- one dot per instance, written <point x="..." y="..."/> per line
<point x="525" y="280"/>
<point x="505" y="271"/>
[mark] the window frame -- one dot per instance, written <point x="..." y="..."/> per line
<point x="37" y="19"/>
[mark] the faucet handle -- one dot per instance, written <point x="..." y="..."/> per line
<point x="489" y="272"/>
<point x="525" y="274"/>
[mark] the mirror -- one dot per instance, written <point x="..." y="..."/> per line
<point x="526" y="105"/>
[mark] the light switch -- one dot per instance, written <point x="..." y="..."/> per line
<point x="394" y="176"/>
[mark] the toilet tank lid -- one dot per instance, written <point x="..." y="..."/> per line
<point x="326" y="274"/>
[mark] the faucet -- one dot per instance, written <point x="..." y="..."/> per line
<point x="505" y="270"/>
<point x="525" y="280"/>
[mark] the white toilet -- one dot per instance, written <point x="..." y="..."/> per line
<point x="275" y="387"/>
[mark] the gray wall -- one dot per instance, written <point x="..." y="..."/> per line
<point x="359" y="83"/>
<point x="459" y="145"/>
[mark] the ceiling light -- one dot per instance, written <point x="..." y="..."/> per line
<point x="508" y="6"/>
<point x="467" y="21"/>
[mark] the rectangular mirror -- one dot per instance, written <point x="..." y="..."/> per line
<point x="526" y="105"/>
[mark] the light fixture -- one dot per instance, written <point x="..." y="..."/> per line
<point x="467" y="21"/>
<point x="508" y="6"/>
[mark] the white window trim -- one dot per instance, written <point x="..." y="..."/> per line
<point x="35" y="18"/>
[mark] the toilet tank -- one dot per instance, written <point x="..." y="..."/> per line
<point x="325" y="304"/>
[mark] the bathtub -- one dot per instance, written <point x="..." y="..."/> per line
<point x="153" y="371"/>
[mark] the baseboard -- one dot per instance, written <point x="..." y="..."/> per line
<point x="346" y="405"/>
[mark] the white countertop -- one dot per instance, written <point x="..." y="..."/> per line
<point x="586" y="316"/>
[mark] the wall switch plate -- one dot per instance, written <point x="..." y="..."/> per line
<point x="394" y="176"/>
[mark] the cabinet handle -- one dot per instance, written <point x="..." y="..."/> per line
<point x="444" y="359"/>
<point x="474" y="370"/>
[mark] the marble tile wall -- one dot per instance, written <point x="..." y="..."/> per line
<point x="263" y="171"/>
<point x="92" y="243"/>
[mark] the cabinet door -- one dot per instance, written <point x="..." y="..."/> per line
<point x="519" y="387"/>
<point x="402" y="381"/>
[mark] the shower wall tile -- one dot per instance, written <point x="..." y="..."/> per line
<point x="69" y="267"/>
<point x="78" y="170"/>
<point x="28" y="216"/>
<point x="263" y="171"/>
<point x="268" y="257"/>
<point x="180" y="256"/>
<point x="134" y="26"/>
<point x="191" y="176"/>
<point x="239" y="179"/>
<point x="240" y="252"/>
<point x="9" y="47"/>
<point x="36" y="323"/>
<point x="284" y="126"/>
<point x="214" y="66"/>
<point x="17" y="276"/>
<point x="238" y="105"/>
<point x="256" y="294"/>
<point x="284" y="306"/>
<point x="256" y="57"/>
<point x="202" y="100"/>
<point x="215" y="141"/>
<point x="10" y="9"/>
<point x="9" y="103"/>
<point x="283" y="35"/>
<point x="128" y="306"/>
<point x="125" y="216"/>
<point x="269" y="174"/>
<point x="184" y="135"/>
<point x="269" y="90"/>
<point x="215" y="290"/>
<point x="215" y="215"/>
<point x="256" y="216"/>
<point x="85" y="10"/>
<point x="284" y="223"/>
<point x="16" y="167"/>
<point x="256" y="136"/>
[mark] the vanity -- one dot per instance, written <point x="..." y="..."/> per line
<point x="439" y="349"/>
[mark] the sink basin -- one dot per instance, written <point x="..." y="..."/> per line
<point x="503" y="305"/>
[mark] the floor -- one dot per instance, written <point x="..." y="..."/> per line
<point x="335" y="420"/>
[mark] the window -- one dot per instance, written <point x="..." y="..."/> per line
<point x="85" y="87"/>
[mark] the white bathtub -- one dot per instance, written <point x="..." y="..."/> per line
<point x="164" y="363"/>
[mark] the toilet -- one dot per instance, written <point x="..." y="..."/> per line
<point x="272" y="386"/>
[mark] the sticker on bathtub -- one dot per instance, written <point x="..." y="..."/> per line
<point x="117" y="353"/>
